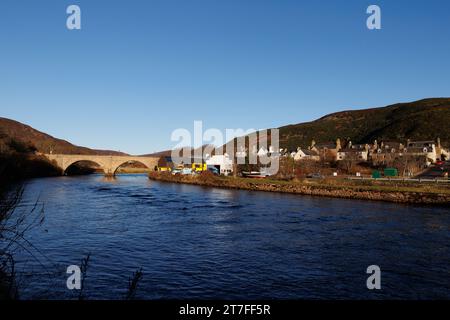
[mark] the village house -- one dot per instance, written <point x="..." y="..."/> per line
<point x="305" y="154"/>
<point x="276" y="153"/>
<point x="223" y="163"/>
<point x="271" y="152"/>
<point x="354" y="152"/>
<point x="241" y="154"/>
<point x="441" y="152"/>
<point x="326" y="151"/>
<point x="262" y="152"/>
<point x="389" y="151"/>
<point x="165" y="163"/>
<point x="423" y="148"/>
<point x="385" y="152"/>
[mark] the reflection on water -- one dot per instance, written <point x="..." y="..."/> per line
<point x="196" y="242"/>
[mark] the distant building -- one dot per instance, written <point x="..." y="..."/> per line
<point x="223" y="163"/>
<point x="388" y="151"/>
<point x="441" y="152"/>
<point x="385" y="152"/>
<point x="423" y="148"/>
<point x="241" y="154"/>
<point x="327" y="151"/>
<point x="305" y="154"/>
<point x="357" y="154"/>
<point x="165" y="164"/>
<point x="262" y="152"/>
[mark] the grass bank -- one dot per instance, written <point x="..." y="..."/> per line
<point x="395" y="191"/>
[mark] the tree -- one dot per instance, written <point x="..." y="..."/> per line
<point x="408" y="165"/>
<point x="349" y="162"/>
<point x="286" y="168"/>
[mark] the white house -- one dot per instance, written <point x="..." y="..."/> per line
<point x="304" y="154"/>
<point x="222" y="162"/>
<point x="426" y="148"/>
<point x="262" y="152"/>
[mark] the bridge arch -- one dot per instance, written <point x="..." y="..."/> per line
<point x="65" y="163"/>
<point x="117" y="166"/>
<point x="71" y="164"/>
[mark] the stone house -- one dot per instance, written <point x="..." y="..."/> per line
<point x="327" y="151"/>
<point x="441" y="152"/>
<point x="385" y="152"/>
<point x="423" y="148"/>
<point x="356" y="152"/>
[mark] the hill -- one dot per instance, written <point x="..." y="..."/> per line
<point x="419" y="120"/>
<point x="42" y="142"/>
<point x="207" y="148"/>
<point x="164" y="153"/>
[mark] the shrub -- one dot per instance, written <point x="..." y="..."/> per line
<point x="206" y="176"/>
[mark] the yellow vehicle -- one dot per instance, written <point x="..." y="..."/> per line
<point x="163" y="169"/>
<point x="199" y="167"/>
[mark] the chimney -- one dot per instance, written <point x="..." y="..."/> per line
<point x="338" y="144"/>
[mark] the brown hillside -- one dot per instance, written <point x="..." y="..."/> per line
<point x="44" y="142"/>
<point x="420" y="120"/>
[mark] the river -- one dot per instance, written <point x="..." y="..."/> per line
<point x="205" y="243"/>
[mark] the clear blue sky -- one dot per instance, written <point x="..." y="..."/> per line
<point x="139" y="69"/>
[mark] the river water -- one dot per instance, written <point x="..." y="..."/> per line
<point x="194" y="242"/>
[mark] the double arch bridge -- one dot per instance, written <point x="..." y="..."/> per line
<point x="109" y="164"/>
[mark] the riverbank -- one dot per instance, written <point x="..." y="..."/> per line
<point x="398" y="192"/>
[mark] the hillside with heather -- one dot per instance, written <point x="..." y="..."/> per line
<point x="420" y="120"/>
<point x="11" y="130"/>
<point x="426" y="119"/>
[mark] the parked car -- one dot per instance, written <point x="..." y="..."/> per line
<point x="214" y="170"/>
<point x="314" y="176"/>
<point x="176" y="171"/>
<point x="186" y="171"/>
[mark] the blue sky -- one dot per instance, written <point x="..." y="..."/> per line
<point x="140" y="69"/>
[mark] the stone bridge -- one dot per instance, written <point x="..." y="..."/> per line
<point x="109" y="164"/>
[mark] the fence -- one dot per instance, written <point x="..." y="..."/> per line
<point x="421" y="180"/>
